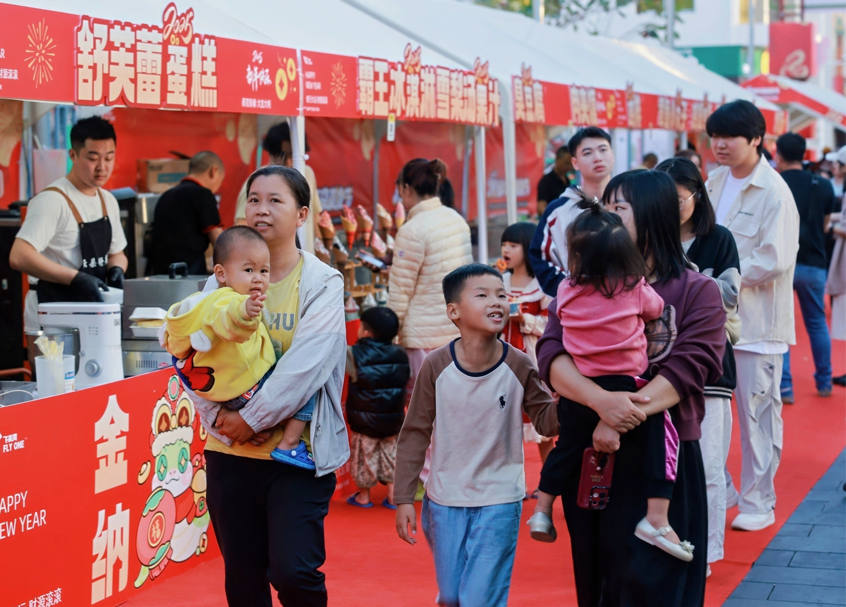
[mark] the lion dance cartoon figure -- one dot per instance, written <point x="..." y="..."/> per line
<point x="175" y="520"/>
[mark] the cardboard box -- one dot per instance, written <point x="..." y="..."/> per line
<point x="159" y="175"/>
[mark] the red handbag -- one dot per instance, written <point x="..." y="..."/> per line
<point x="595" y="482"/>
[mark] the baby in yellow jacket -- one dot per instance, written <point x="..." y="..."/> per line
<point x="221" y="348"/>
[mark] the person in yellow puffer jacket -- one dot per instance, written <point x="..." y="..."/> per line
<point x="222" y="350"/>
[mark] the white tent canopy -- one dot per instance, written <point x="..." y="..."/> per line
<point x="510" y="39"/>
<point x="207" y="19"/>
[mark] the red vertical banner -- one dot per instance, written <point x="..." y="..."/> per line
<point x="557" y="104"/>
<point x="37" y="58"/>
<point x="329" y="83"/>
<point x="793" y="50"/>
<point x="114" y="477"/>
<point x="262" y="79"/>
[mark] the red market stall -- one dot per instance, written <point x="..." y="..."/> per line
<point x="103" y="489"/>
<point x="548" y="103"/>
<point x="808" y="105"/>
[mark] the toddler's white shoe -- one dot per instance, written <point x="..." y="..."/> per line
<point x="541" y="528"/>
<point x="651" y="535"/>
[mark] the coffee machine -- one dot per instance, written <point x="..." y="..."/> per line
<point x="100" y="359"/>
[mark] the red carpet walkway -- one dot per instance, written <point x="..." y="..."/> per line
<point x="368" y="565"/>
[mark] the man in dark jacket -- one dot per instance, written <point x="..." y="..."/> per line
<point x="379" y="372"/>
<point x="186" y="220"/>
<point x="814" y="198"/>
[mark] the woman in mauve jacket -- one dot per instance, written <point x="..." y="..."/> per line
<point x="612" y="566"/>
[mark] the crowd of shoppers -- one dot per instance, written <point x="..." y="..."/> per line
<point x="696" y="305"/>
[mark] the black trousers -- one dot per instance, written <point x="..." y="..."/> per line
<point x="268" y="519"/>
<point x="612" y="567"/>
<point x="562" y="458"/>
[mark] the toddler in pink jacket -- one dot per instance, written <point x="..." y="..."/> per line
<point x="604" y="306"/>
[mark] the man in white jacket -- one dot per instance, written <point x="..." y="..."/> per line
<point x="753" y="201"/>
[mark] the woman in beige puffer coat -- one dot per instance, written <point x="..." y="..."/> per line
<point x="432" y="242"/>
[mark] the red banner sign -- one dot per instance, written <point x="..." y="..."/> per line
<point x="50" y="56"/>
<point x="412" y="91"/>
<point x="103" y="493"/>
<point x="35" y="54"/>
<point x="793" y="50"/>
<point x="329" y="85"/>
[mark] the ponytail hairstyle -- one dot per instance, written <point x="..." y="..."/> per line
<point x="423" y="176"/>
<point x="601" y="254"/>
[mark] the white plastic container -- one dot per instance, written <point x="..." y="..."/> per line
<point x="51" y="376"/>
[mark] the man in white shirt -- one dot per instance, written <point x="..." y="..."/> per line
<point x="71" y="242"/>
<point x="756" y="205"/>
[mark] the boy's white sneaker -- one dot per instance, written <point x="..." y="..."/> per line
<point x="746" y="521"/>
<point x="541" y="528"/>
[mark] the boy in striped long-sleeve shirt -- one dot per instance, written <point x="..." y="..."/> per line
<point x="468" y="403"/>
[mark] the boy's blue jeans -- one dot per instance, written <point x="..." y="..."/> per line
<point x="474" y="551"/>
<point x="809" y="284"/>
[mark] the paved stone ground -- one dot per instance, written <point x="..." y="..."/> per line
<point x="805" y="564"/>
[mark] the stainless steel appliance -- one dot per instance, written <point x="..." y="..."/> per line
<point x="136" y="217"/>
<point x="144" y="354"/>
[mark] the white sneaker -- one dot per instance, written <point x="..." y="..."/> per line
<point x="651" y="535"/>
<point x="753" y="522"/>
<point x="732" y="496"/>
<point x="541" y="528"/>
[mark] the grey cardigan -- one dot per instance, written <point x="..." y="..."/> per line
<point x="313" y="365"/>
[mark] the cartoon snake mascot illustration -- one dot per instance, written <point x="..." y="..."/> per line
<point x="175" y="520"/>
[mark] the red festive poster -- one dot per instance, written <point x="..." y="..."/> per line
<point x="36" y="58"/>
<point x="261" y="79"/>
<point x="103" y="493"/>
<point x="166" y="63"/>
<point x="329" y="85"/>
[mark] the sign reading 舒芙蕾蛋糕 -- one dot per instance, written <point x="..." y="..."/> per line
<point x="92" y="60"/>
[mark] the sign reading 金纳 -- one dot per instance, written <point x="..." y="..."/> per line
<point x="103" y="493"/>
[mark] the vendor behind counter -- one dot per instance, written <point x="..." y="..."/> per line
<point x="186" y="219"/>
<point x="71" y="242"/>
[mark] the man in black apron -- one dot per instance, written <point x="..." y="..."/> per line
<point x="71" y="240"/>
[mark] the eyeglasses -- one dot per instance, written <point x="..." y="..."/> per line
<point x="684" y="201"/>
